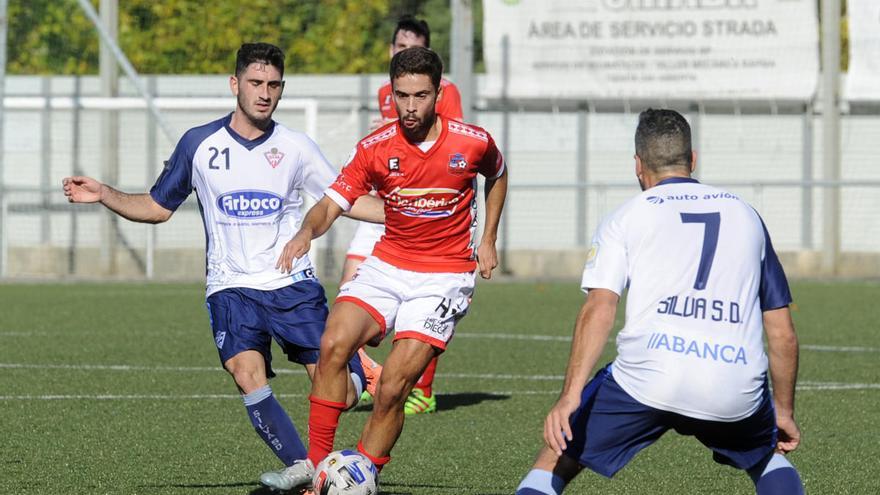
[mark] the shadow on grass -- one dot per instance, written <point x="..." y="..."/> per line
<point x="259" y="490"/>
<point x="388" y="488"/>
<point x="403" y="489"/>
<point x="448" y="402"/>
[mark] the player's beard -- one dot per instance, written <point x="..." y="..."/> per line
<point x="420" y="131"/>
<point x="255" y="119"/>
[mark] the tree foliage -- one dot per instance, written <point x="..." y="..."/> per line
<point x="193" y="36"/>
<point x="50" y="37"/>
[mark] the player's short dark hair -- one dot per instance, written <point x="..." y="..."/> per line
<point x="417" y="60"/>
<point x="264" y="53"/>
<point x="416" y="26"/>
<point x="663" y="139"/>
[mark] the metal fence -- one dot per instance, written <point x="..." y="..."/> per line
<point x="570" y="164"/>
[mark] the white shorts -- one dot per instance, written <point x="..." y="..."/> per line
<point x="417" y="305"/>
<point x="365" y="237"/>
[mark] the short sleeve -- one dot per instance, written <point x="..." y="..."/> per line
<point x="607" y="266"/>
<point x="174" y="184"/>
<point x="450" y="103"/>
<point x="774" y="292"/>
<point x="318" y="174"/>
<point x="492" y="163"/>
<point x="352" y="182"/>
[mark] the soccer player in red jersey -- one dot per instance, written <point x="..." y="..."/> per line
<point x="408" y="33"/>
<point x="420" y="278"/>
<point x="412" y="32"/>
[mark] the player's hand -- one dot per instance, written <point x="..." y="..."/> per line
<point x="789" y="436"/>
<point x="557" y="430"/>
<point x="294" y="249"/>
<point x="79" y="189"/>
<point x="487" y="259"/>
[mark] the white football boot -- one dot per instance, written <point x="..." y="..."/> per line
<point x="298" y="475"/>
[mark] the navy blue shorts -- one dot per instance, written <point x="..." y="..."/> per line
<point x="610" y="428"/>
<point x="245" y="319"/>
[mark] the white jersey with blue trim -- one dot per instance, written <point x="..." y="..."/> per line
<point x="700" y="270"/>
<point x="249" y="194"/>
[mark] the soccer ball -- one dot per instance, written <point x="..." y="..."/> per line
<point x="345" y="472"/>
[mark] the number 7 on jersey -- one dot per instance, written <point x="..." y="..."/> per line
<point x="712" y="223"/>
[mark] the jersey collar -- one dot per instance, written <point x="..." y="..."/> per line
<point x="250" y="144"/>
<point x="415" y="148"/>
<point x="677" y="180"/>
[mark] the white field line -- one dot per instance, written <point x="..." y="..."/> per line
<point x="526" y="337"/>
<point x="804" y="387"/>
<point x="833" y="348"/>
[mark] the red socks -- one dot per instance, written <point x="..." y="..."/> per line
<point x="323" y="420"/>
<point x="427" y="378"/>
<point x="379" y="462"/>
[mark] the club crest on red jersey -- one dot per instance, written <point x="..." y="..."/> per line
<point x="457" y="164"/>
<point x="274" y="157"/>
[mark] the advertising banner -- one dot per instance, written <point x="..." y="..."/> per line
<point x="653" y="49"/>
<point x="863" y="79"/>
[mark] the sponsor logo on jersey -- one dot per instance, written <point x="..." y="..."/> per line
<point x="656" y="200"/>
<point x="425" y="202"/>
<point x="699" y="349"/>
<point x="249" y="204"/>
<point x="219" y="338"/>
<point x="274" y="157"/>
<point x="457" y="164"/>
<point x="394" y="164"/>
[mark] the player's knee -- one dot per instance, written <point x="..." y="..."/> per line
<point x="336" y="350"/>
<point x="247" y="378"/>
<point x="391" y="393"/>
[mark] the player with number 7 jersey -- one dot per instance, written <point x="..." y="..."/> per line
<point x="703" y="287"/>
<point x="706" y="322"/>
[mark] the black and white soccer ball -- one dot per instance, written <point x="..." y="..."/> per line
<point x="345" y="472"/>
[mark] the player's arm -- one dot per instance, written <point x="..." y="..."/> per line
<point x="319" y="175"/>
<point x="134" y="207"/>
<point x="367" y="208"/>
<point x="782" y="350"/>
<point x="591" y="332"/>
<point x="496" y="192"/>
<point x="317" y="221"/>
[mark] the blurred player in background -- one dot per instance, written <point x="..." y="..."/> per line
<point x="703" y="284"/>
<point x="409" y="32"/>
<point x="420" y="278"/>
<point x="249" y="173"/>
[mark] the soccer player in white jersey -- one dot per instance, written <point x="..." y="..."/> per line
<point x="248" y="173"/>
<point x="703" y="285"/>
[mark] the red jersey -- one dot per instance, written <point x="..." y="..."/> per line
<point x="449" y="103"/>
<point x="430" y="197"/>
